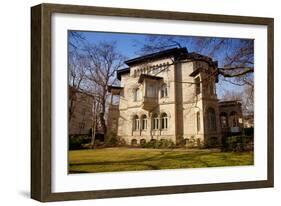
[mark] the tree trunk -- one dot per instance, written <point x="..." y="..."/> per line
<point x="102" y="119"/>
<point x="94" y="133"/>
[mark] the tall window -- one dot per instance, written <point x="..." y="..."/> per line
<point x="164" y="121"/>
<point x="164" y="91"/>
<point x="144" y="122"/>
<point x="197" y="86"/>
<point x="198" y="121"/>
<point x="211" y="119"/>
<point x="137" y="94"/>
<point x="155" y="122"/>
<point x="223" y="117"/>
<point x="136" y="123"/>
<point x="234" y="119"/>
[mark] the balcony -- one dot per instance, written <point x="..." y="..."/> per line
<point x="149" y="103"/>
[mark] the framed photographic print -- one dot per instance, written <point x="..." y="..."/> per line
<point x="130" y="102"/>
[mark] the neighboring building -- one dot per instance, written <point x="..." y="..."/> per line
<point x="80" y="116"/>
<point x="231" y="117"/>
<point x="168" y="95"/>
<point x="249" y="121"/>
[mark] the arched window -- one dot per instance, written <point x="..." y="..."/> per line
<point x="144" y="122"/>
<point x="137" y="94"/>
<point x="223" y="119"/>
<point x="136" y="123"/>
<point x="198" y="121"/>
<point x="211" y="119"/>
<point x="134" y="142"/>
<point x="233" y="119"/>
<point x="164" y="91"/>
<point x="155" y="122"/>
<point x="164" y="121"/>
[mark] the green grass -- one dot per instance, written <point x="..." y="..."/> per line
<point x="132" y="159"/>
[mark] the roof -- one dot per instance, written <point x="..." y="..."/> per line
<point x="110" y="87"/>
<point x="229" y="102"/>
<point x="195" y="72"/>
<point x="146" y="76"/>
<point x="121" y="72"/>
<point x="157" y="55"/>
<point x="179" y="53"/>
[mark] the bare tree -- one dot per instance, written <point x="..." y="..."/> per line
<point x="245" y="96"/>
<point x="76" y="79"/>
<point x="103" y="61"/>
<point x="75" y="39"/>
<point x="237" y="54"/>
<point x="96" y="111"/>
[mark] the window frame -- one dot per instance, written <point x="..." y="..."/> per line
<point x="164" y="121"/>
<point x="136" y="123"/>
<point x="198" y="123"/>
<point x="155" y="122"/>
<point x="144" y="122"/>
<point x="223" y="120"/>
<point x="164" y="91"/>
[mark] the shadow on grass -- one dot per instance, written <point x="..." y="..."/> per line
<point x="148" y="167"/>
<point x="158" y="157"/>
<point x="117" y="162"/>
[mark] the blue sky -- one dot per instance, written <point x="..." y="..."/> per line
<point x="129" y="45"/>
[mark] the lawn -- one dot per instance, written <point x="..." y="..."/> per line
<point x="132" y="159"/>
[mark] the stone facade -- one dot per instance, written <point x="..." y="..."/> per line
<point x="168" y="95"/>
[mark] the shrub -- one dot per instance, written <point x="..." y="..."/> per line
<point x="191" y="142"/>
<point x="76" y="142"/>
<point x="249" y="131"/>
<point x="150" y="144"/>
<point x="237" y="143"/>
<point x="167" y="144"/>
<point x="158" y="144"/>
<point x="213" y="142"/>
<point x="112" y="140"/>
<point x="199" y="143"/>
<point x="181" y="141"/>
<point x="142" y="142"/>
